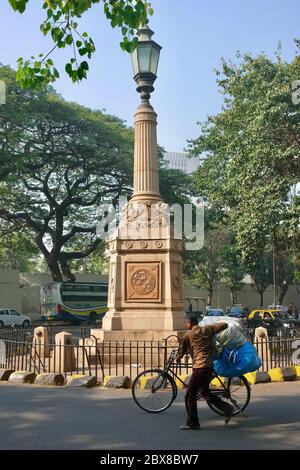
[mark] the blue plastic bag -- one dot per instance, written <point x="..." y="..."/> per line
<point x="237" y="362"/>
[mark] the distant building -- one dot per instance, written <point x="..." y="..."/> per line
<point x="179" y="161"/>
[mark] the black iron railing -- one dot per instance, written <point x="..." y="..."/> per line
<point x="21" y="350"/>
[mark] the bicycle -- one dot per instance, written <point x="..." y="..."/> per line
<point x="154" y="390"/>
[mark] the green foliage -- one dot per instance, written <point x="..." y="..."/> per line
<point x="202" y="268"/>
<point x="62" y="19"/>
<point x="175" y="186"/>
<point x="261" y="272"/>
<point x="17" y="251"/>
<point x="60" y="162"/>
<point x="233" y="270"/>
<point x="252" y="152"/>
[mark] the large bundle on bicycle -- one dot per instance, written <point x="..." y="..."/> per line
<point x="234" y="355"/>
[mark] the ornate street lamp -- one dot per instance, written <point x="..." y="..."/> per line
<point x="145" y="286"/>
<point x="145" y="60"/>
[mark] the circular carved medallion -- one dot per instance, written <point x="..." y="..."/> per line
<point x="143" y="282"/>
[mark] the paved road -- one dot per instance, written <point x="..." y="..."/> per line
<point x="61" y="418"/>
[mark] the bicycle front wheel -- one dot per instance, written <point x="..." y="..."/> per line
<point x="236" y="392"/>
<point x="154" y="390"/>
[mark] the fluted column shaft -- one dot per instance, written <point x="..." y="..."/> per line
<point x="146" y="178"/>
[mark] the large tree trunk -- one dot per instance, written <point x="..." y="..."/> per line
<point x="233" y="295"/>
<point x="51" y="260"/>
<point x="283" y="291"/>
<point x="209" y="294"/>
<point x="261" y="294"/>
<point x="55" y="271"/>
<point x="66" y="271"/>
<point x="276" y="268"/>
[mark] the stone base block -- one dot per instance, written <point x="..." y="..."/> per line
<point x="22" y="377"/>
<point x="50" y="379"/>
<point x="137" y="335"/>
<point x="143" y="319"/>
<point x="218" y="381"/>
<point x="185" y="379"/>
<point x="79" y="380"/>
<point x="5" y="374"/>
<point x="251" y="377"/>
<point x="117" y="382"/>
<point x="236" y="381"/>
<point x="276" y="374"/>
<point x="289" y="374"/>
<point x="262" y="378"/>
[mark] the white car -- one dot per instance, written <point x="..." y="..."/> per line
<point x="9" y="317"/>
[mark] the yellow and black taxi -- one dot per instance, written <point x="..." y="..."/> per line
<point x="271" y="318"/>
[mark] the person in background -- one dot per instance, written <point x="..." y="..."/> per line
<point x="292" y="310"/>
<point x="198" y="342"/>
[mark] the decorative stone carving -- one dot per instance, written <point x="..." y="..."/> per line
<point x="144" y="245"/>
<point x="143" y="281"/>
<point x="134" y="211"/>
<point x="176" y="282"/>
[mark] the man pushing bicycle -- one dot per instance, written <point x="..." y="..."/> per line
<point x="198" y="342"/>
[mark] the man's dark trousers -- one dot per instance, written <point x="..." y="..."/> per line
<point x="199" y="384"/>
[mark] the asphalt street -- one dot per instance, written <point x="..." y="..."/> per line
<point x="60" y="418"/>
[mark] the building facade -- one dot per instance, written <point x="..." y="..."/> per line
<point x="180" y="161"/>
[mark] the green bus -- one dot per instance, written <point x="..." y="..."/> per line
<point x="74" y="302"/>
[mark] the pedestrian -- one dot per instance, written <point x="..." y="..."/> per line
<point x="198" y="342"/>
<point x="292" y="310"/>
<point x="190" y="307"/>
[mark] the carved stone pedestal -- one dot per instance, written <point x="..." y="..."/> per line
<point x="145" y="289"/>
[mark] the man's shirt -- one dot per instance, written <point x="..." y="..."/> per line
<point x="198" y="342"/>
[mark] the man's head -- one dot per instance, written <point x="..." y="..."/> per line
<point x="191" y="320"/>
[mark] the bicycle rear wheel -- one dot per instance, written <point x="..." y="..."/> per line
<point x="154" y="390"/>
<point x="236" y="392"/>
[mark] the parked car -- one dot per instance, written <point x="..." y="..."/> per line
<point x="214" y="312"/>
<point x="273" y="319"/>
<point x="237" y="311"/>
<point x="9" y="317"/>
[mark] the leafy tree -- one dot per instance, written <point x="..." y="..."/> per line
<point x="62" y="18"/>
<point x="252" y="149"/>
<point x="261" y="272"/>
<point x="175" y="186"/>
<point x="203" y="268"/>
<point x="17" y="251"/>
<point x="233" y="271"/>
<point x="59" y="161"/>
<point x="67" y="160"/>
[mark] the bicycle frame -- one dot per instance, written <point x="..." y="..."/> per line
<point x="167" y="379"/>
<point x="168" y="370"/>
